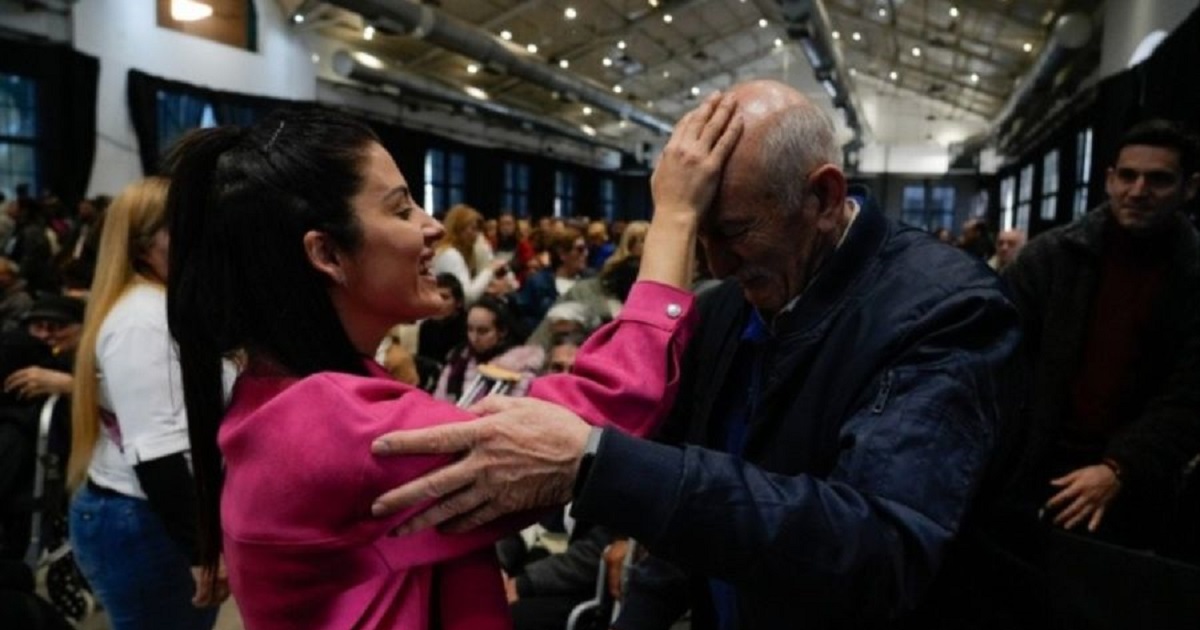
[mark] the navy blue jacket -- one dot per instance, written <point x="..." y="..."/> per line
<point x="876" y="430"/>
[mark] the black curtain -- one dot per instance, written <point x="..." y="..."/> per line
<point x="66" y="110"/>
<point x="161" y="110"/>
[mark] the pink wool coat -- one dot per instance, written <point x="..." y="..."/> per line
<point x="301" y="546"/>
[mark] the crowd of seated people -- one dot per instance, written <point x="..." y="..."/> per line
<point x="522" y="297"/>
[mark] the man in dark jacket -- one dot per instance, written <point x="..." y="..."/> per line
<point x="1108" y="305"/>
<point x="840" y="409"/>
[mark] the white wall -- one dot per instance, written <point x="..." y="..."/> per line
<point x="908" y="159"/>
<point x="124" y="34"/>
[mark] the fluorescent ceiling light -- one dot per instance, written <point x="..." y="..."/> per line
<point x="476" y="92"/>
<point x="368" y="60"/>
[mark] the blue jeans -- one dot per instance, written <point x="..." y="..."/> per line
<point x="140" y="575"/>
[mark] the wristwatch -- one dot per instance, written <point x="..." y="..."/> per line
<point x="585" y="462"/>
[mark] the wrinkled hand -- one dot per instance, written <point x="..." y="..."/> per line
<point x="207" y="593"/>
<point x="524" y="455"/>
<point x="689" y="169"/>
<point x="32" y="382"/>
<point x="1085" y="496"/>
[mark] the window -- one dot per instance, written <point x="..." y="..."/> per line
<point x="1050" y="186"/>
<point x="1083" y="172"/>
<point x="928" y="207"/>
<point x="1024" y="198"/>
<point x="564" y="194"/>
<point x="608" y="198"/>
<point x="179" y="113"/>
<point x="1007" y="202"/>
<point x="445" y="180"/>
<point x="516" y="188"/>
<point x="18" y="134"/>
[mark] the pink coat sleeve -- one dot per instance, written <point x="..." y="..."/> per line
<point x="309" y="449"/>
<point x="627" y="374"/>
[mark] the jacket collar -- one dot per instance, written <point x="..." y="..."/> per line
<point x="863" y="239"/>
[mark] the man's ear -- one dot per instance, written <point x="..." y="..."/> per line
<point x="828" y="185"/>
<point x="324" y="256"/>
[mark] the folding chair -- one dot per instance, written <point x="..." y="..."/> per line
<point x="488" y="380"/>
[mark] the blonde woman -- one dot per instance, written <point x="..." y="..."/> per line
<point x="631" y="245"/>
<point x="456" y="252"/>
<point x="132" y="519"/>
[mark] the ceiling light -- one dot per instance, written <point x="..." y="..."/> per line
<point x="893" y="76"/>
<point x="369" y="32"/>
<point x="606" y="61"/>
<point x="856" y="36"/>
<point x="621" y="44"/>
<point x="570" y="13"/>
<point x="666" y="74"/>
<point x="316" y="58"/>
<point x="587" y="111"/>
<point x="974" y="78"/>
<point x="653" y="3"/>
<point x="695" y="91"/>
<point x="1027" y="47"/>
<point x="506" y="35"/>
<point x="368" y="60"/>
<point x="564" y="64"/>
<point x="916" y="51"/>
<point x="762" y="23"/>
<point x="622" y="124"/>
<point x="191" y="11"/>
<point x="667" y="18"/>
<point x="778" y="43"/>
<point x="298" y="18"/>
<point x="587" y="129"/>
<point x="837" y="35"/>
<point x="650" y="104"/>
<point x="476" y="92"/>
<point x="617" y="89"/>
<point x="531" y="48"/>
<point x="472" y="68"/>
<point x="953" y="12"/>
<point x="853" y="72"/>
<point x="882" y="12"/>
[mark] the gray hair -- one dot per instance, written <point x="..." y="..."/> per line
<point x="800" y="140"/>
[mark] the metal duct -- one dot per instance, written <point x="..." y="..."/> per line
<point x="808" y="23"/>
<point x="435" y="26"/>
<point x="1071" y="31"/>
<point x="345" y="65"/>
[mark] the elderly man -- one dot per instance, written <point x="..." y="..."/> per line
<point x="1109" y="309"/>
<point x="1008" y="245"/>
<point x="839" y="410"/>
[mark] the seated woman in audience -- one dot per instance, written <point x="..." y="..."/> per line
<point x="458" y="252"/>
<point x="568" y="265"/>
<point x="297" y="244"/>
<point x="489" y="341"/>
<point x="132" y="520"/>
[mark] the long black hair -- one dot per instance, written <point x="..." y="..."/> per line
<point x="240" y="202"/>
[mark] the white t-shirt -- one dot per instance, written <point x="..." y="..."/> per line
<point x="140" y="384"/>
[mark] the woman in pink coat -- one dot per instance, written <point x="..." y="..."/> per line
<point x="295" y="245"/>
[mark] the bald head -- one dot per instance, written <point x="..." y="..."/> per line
<point x="785" y="137"/>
